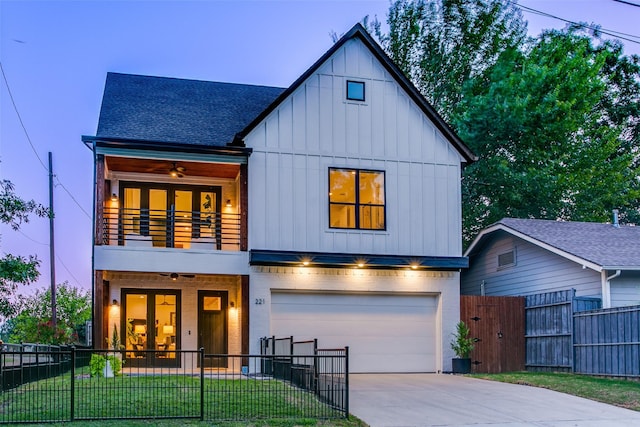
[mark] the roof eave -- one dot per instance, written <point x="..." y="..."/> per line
<point x="502" y="227"/>
<point x="263" y="257"/>
<point x="141" y="144"/>
<point x="621" y="267"/>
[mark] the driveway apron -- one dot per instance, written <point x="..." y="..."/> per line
<point x="406" y="400"/>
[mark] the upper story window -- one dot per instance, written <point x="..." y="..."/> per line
<point x="507" y="259"/>
<point x="355" y="90"/>
<point x="356" y="199"/>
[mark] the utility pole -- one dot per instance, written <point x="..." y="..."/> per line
<point x="52" y="251"/>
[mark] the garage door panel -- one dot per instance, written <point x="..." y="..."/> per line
<point x="345" y="310"/>
<point x="346" y="326"/>
<point x="385" y="333"/>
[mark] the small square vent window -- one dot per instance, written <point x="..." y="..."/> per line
<point x="355" y="90"/>
<point x="507" y="259"/>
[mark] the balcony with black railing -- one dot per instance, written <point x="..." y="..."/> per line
<point x="189" y="230"/>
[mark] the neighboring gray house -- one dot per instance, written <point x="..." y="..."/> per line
<point x="531" y="256"/>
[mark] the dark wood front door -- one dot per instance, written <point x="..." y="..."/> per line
<point x="212" y="327"/>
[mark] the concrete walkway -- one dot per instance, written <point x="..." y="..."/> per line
<point x="448" y="400"/>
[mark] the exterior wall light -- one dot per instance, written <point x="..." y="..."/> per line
<point x="114" y="303"/>
<point x="114" y="197"/>
<point x="229" y="203"/>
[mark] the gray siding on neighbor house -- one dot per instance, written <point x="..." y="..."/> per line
<point x="625" y="290"/>
<point x="535" y="271"/>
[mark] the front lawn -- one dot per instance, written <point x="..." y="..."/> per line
<point x="303" y="422"/>
<point x="618" y="392"/>
<point x="149" y="397"/>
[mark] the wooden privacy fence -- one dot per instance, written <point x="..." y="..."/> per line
<point x="607" y="342"/>
<point x="549" y="329"/>
<point x="572" y="334"/>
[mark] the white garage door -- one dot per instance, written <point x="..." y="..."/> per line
<point x="385" y="333"/>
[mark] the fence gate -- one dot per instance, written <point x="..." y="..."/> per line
<point x="498" y="325"/>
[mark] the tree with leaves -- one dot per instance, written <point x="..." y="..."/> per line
<point x="442" y="44"/>
<point x="15" y="270"/>
<point x="555" y="120"/>
<point x="33" y="322"/>
<point x="548" y="150"/>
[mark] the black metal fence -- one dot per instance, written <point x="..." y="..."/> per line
<point x="24" y="363"/>
<point x="573" y="334"/>
<point x="324" y="372"/>
<point x="94" y="385"/>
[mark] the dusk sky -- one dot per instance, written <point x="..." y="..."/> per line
<point x="55" y="56"/>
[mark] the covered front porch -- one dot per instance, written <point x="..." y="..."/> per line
<point x="154" y="315"/>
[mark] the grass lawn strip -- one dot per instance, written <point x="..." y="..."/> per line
<point x="162" y="396"/>
<point x="618" y="392"/>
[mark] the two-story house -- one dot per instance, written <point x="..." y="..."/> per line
<point x="330" y="209"/>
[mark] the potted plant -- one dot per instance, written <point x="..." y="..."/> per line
<point x="462" y="345"/>
<point x="113" y="362"/>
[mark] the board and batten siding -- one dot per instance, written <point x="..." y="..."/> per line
<point x="536" y="271"/>
<point x="316" y="128"/>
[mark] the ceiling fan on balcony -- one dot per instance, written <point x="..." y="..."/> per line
<point x="174" y="276"/>
<point x="177" y="171"/>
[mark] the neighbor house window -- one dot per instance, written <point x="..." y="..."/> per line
<point x="356" y="199"/>
<point x="355" y="90"/>
<point x="507" y="259"/>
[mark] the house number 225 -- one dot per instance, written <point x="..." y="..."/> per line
<point x="259" y="301"/>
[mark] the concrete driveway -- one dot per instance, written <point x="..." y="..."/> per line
<point x="448" y="400"/>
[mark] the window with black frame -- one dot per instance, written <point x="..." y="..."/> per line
<point x="356" y="199"/>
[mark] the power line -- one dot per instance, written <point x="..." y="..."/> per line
<point x="24" y="128"/>
<point x="57" y="257"/>
<point x="33" y="240"/>
<point x="71" y="195"/>
<point x="630" y="3"/>
<point x="15" y="107"/>
<point x="612" y="33"/>
<point x="68" y="271"/>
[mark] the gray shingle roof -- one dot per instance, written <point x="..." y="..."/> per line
<point x="179" y="110"/>
<point x="601" y="244"/>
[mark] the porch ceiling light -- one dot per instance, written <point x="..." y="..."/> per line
<point x="177" y="171"/>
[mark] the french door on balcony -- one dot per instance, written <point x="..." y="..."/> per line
<point x="170" y="215"/>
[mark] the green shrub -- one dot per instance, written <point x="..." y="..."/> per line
<point x="96" y="365"/>
<point x="116" y="364"/>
